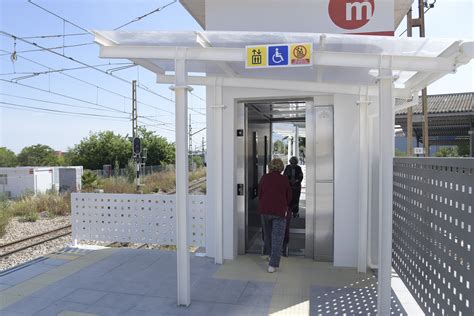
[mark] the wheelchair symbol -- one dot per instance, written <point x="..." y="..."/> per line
<point x="277" y="57"/>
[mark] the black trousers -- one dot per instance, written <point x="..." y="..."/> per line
<point x="295" y="200"/>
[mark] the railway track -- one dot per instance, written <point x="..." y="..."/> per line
<point x="35" y="240"/>
<point x="32" y="241"/>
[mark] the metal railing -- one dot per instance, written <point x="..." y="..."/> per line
<point x="123" y="172"/>
<point x="432" y="232"/>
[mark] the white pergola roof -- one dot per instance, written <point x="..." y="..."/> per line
<point x="345" y="60"/>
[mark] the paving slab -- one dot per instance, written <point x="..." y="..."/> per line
<point x="143" y="282"/>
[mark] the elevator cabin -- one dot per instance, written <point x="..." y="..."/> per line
<point x="279" y="129"/>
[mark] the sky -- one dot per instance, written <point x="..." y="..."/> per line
<point x="89" y="91"/>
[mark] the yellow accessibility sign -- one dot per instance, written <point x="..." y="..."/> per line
<point x="301" y="54"/>
<point x="279" y="55"/>
<point x="256" y="56"/>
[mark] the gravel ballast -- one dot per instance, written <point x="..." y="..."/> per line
<point x="17" y="229"/>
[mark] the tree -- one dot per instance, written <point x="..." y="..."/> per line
<point x="279" y="147"/>
<point x="37" y="155"/>
<point x="464" y="150"/>
<point x="160" y="152"/>
<point x="102" y="148"/>
<point x="447" y="152"/>
<point x="7" y="158"/>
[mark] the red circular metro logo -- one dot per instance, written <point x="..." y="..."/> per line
<point x="351" y="14"/>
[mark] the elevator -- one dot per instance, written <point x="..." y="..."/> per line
<point x="279" y="128"/>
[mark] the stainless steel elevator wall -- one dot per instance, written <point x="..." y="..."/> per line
<point x="324" y="189"/>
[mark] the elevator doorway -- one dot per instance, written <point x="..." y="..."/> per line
<point x="273" y="130"/>
<point x="284" y="128"/>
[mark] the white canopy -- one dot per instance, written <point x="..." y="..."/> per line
<point x="352" y="60"/>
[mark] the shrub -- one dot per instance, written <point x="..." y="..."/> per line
<point x="31" y="216"/>
<point x="5" y="217"/>
<point x="89" y="180"/>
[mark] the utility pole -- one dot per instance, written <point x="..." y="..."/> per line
<point x="202" y="147"/>
<point x="136" y="144"/>
<point x="134" y="109"/>
<point x="190" y="143"/>
<point x="420" y="23"/>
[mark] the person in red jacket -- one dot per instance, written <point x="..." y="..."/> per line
<point x="274" y="193"/>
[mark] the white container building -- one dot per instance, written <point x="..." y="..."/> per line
<point x="17" y="181"/>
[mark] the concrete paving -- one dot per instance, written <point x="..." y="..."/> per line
<point x="143" y="282"/>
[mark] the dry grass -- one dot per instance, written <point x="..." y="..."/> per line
<point x="29" y="207"/>
<point x="117" y="185"/>
<point x="159" y="182"/>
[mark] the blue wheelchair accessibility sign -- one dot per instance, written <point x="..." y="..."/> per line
<point x="278" y="55"/>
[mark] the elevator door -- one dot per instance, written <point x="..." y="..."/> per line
<point x="257" y="159"/>
<point x="320" y="183"/>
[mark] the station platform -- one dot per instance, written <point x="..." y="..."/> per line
<point x="114" y="281"/>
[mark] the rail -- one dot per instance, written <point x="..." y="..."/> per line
<point x="432" y="232"/>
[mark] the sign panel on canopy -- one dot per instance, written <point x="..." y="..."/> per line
<point x="279" y="55"/>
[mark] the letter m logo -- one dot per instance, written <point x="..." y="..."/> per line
<point x="351" y="14"/>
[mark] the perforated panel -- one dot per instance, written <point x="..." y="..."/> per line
<point x="140" y="218"/>
<point x="432" y="232"/>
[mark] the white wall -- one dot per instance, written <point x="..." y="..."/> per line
<point x="346" y="180"/>
<point x="19" y="181"/>
<point x="288" y="16"/>
<point x="346" y="164"/>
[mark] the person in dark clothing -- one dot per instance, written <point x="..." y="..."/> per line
<point x="295" y="175"/>
<point x="274" y="194"/>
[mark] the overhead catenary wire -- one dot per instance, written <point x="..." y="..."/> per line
<point x="56" y="35"/>
<point x="85" y="64"/>
<point x="59" y="17"/>
<point x="60" y="103"/>
<point x="65" y="112"/>
<point x="56" y="47"/>
<point x="146" y="14"/>
<point x="92" y="84"/>
<point x="64" y="96"/>
<point x="61" y="114"/>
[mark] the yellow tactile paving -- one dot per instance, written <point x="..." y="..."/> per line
<point x="62" y="256"/>
<point x="71" y="313"/>
<point x="293" y="280"/>
<point x="25" y="289"/>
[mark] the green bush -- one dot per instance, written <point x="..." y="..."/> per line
<point x="31" y="216"/>
<point x="90" y="180"/>
<point x="5" y="217"/>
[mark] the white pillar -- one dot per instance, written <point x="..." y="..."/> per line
<point x="363" y="184"/>
<point x="297" y="146"/>
<point x="183" y="264"/>
<point x="219" y="171"/>
<point x="386" y="122"/>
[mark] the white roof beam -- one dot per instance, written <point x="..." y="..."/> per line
<point x="303" y="86"/>
<point x="204" y="42"/>
<point x="148" y="65"/>
<point x="341" y="59"/>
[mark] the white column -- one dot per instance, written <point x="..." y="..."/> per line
<point x="386" y="122"/>
<point x="297" y="146"/>
<point x="183" y="264"/>
<point x="218" y="165"/>
<point x="310" y="179"/>
<point x="363" y="185"/>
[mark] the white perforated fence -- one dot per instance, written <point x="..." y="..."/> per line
<point x="432" y="232"/>
<point x="138" y="218"/>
